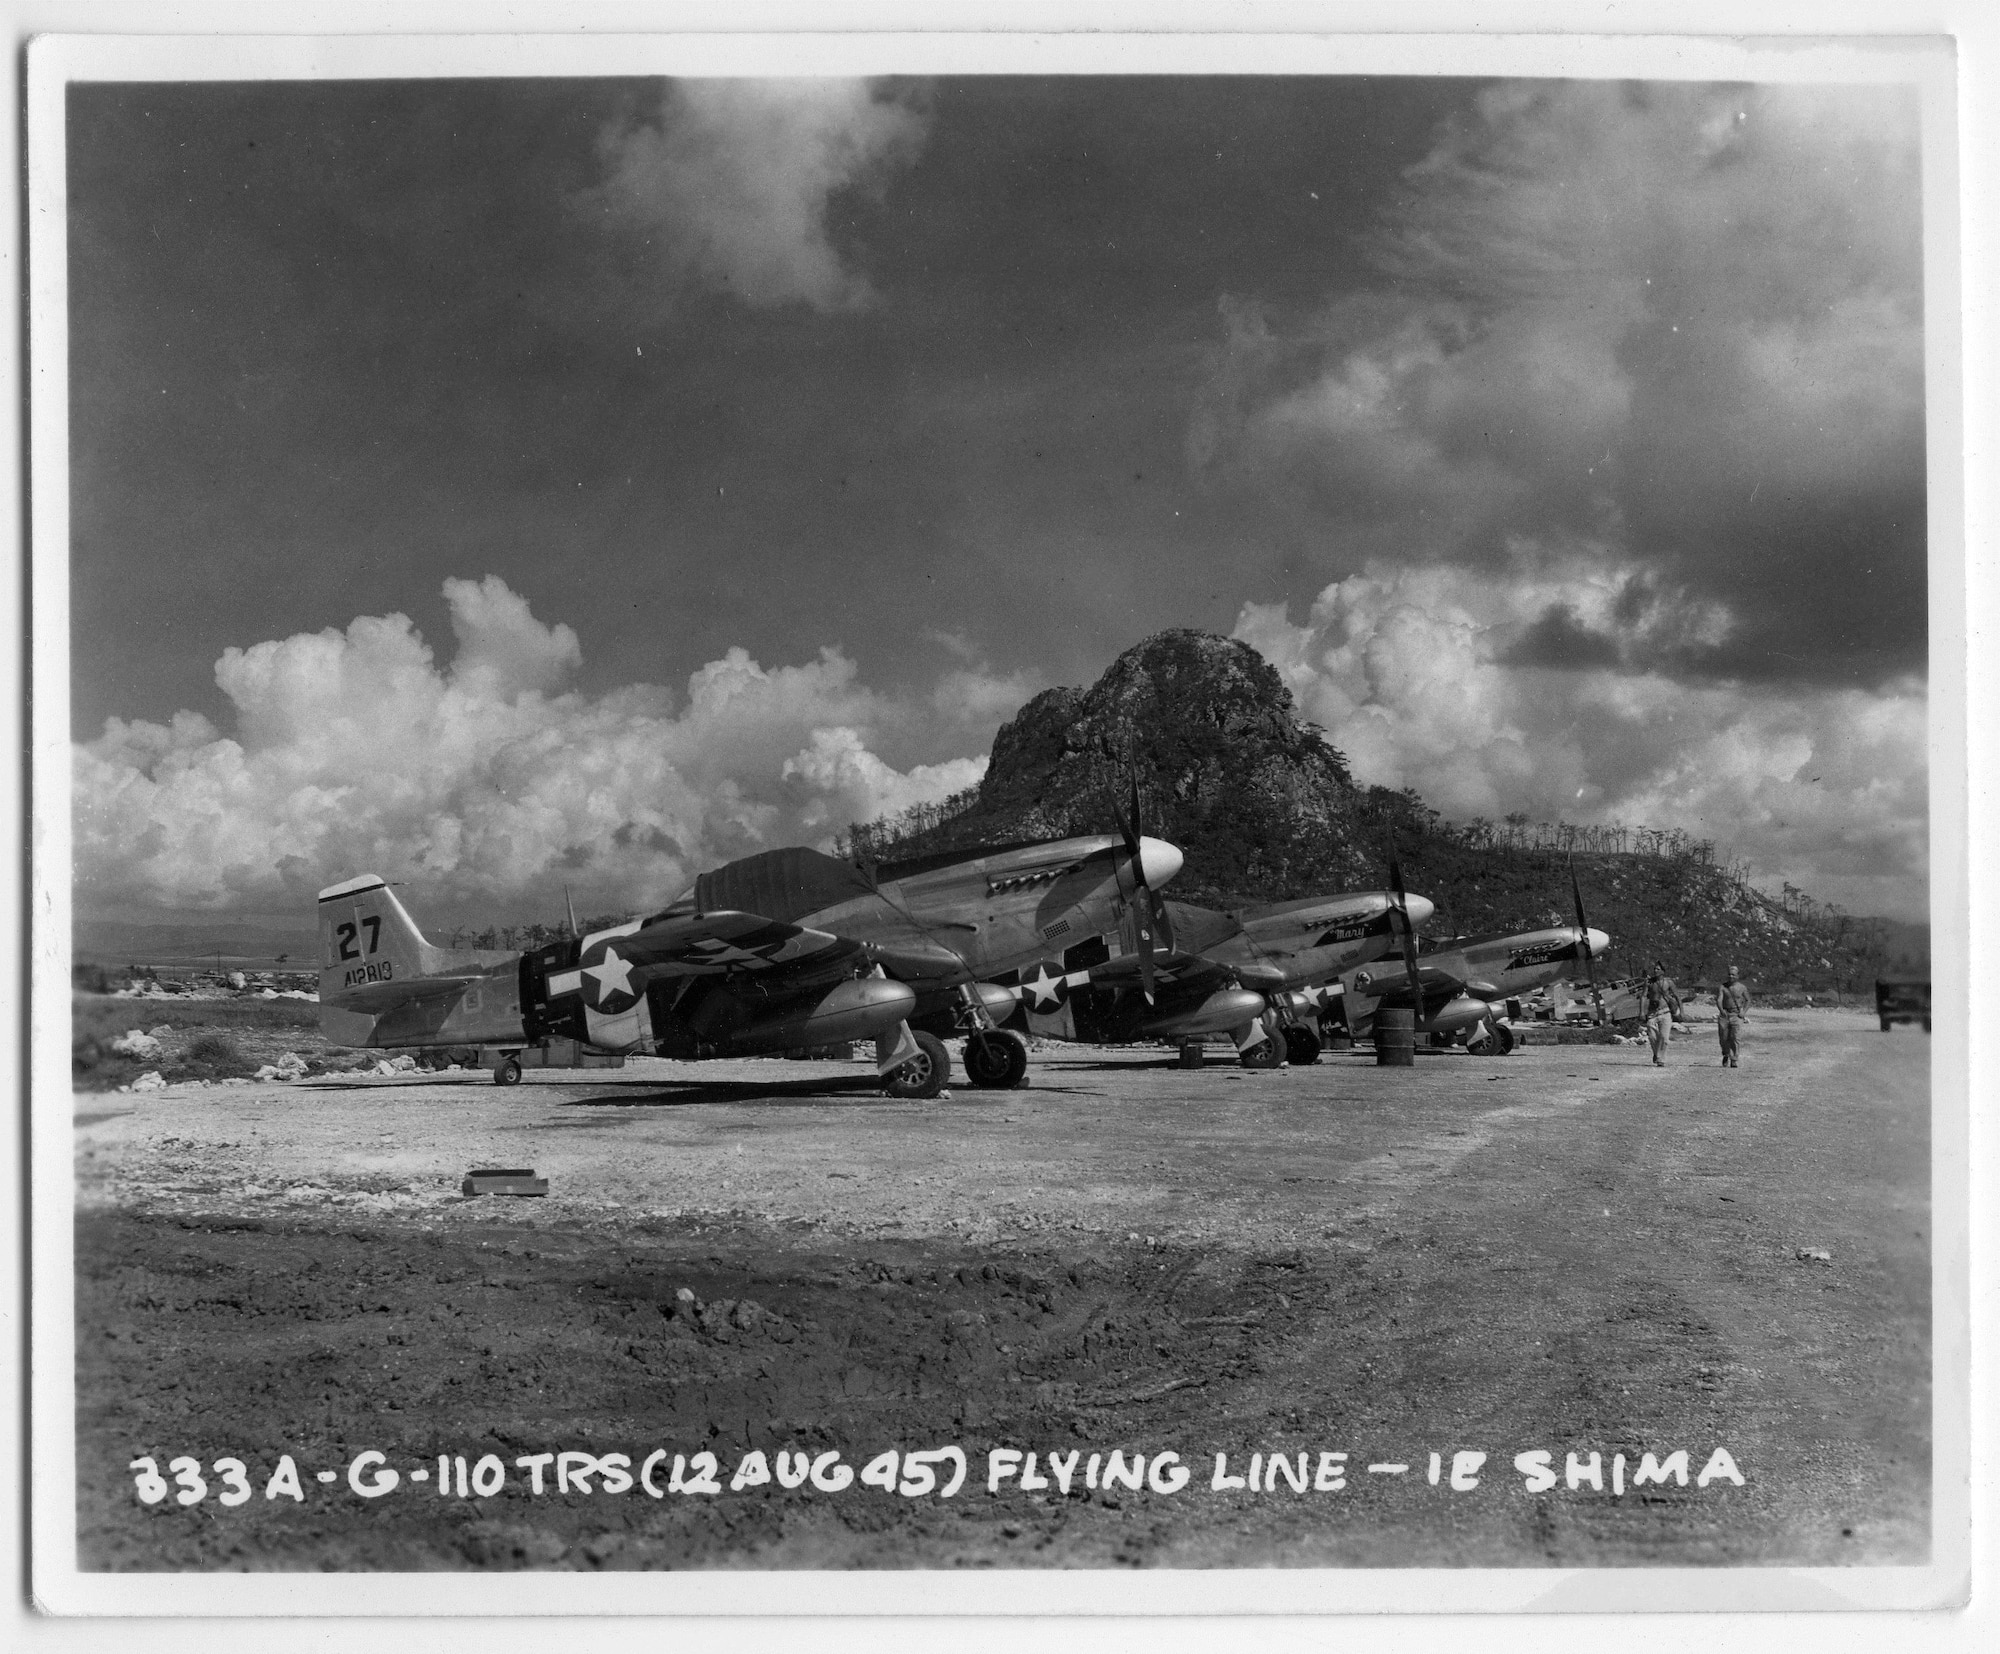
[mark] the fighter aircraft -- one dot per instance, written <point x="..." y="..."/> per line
<point x="1460" y="988"/>
<point x="781" y="951"/>
<point x="1252" y="974"/>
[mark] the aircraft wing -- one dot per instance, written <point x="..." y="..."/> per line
<point x="1043" y="988"/>
<point x="1171" y="969"/>
<point x="703" y="944"/>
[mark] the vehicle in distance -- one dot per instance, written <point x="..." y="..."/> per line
<point x="1903" y="999"/>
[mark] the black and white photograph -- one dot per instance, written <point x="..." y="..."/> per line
<point x="1162" y="811"/>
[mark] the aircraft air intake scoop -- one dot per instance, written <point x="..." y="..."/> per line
<point x="784" y="885"/>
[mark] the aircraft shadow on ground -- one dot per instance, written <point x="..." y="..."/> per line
<point x="399" y="1082"/>
<point x="862" y="1089"/>
<point x="694" y="1093"/>
<point x="1228" y="1065"/>
<point x="804" y="1093"/>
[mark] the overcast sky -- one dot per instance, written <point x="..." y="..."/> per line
<point x="503" y="485"/>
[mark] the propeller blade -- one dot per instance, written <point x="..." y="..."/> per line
<point x="1127" y="830"/>
<point x="1144" y="914"/>
<point x="570" y="908"/>
<point x="1583" y="925"/>
<point x="1410" y="944"/>
<point x="1146" y="969"/>
<point x="1147" y="919"/>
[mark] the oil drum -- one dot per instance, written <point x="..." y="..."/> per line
<point x="1395" y="1039"/>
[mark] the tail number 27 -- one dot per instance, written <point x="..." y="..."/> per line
<point x="345" y="932"/>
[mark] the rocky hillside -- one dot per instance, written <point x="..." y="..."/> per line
<point x="1257" y="800"/>
<point x="1688" y="913"/>
<point x="1264" y="809"/>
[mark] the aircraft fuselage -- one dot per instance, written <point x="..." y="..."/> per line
<point x="1468" y="982"/>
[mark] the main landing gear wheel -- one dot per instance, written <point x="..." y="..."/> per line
<point x="924" y="1075"/>
<point x="1301" y="1046"/>
<point x="507" y="1073"/>
<point x="1266" y="1053"/>
<point x="1497" y="1041"/>
<point x="994" y="1062"/>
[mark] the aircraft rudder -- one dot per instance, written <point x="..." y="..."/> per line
<point x="366" y="936"/>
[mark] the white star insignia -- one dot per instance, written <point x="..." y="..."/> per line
<point x="614" y="975"/>
<point x="715" y="951"/>
<point x="1043" y="988"/>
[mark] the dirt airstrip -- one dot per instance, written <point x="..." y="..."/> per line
<point x="1564" y="1250"/>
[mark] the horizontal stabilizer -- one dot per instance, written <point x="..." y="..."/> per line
<point x="376" y="997"/>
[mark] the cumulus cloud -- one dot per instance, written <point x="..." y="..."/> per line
<point x="730" y="180"/>
<point x="847" y="783"/>
<point x="1680" y="322"/>
<point x="1425" y="677"/>
<point x="973" y="695"/>
<point x="982" y="699"/>
<point x="487" y="782"/>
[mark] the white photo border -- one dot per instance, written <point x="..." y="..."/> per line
<point x="56" y="62"/>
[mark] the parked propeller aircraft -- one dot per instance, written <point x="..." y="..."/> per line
<point x="1460" y="988"/>
<point x="781" y="951"/>
<point x="1250" y="974"/>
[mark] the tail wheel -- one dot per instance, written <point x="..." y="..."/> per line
<point x="1301" y="1046"/>
<point x="995" y="1062"/>
<point x="507" y="1073"/>
<point x="1266" y="1053"/>
<point x="924" y="1075"/>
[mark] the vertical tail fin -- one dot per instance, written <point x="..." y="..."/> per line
<point x="366" y="936"/>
